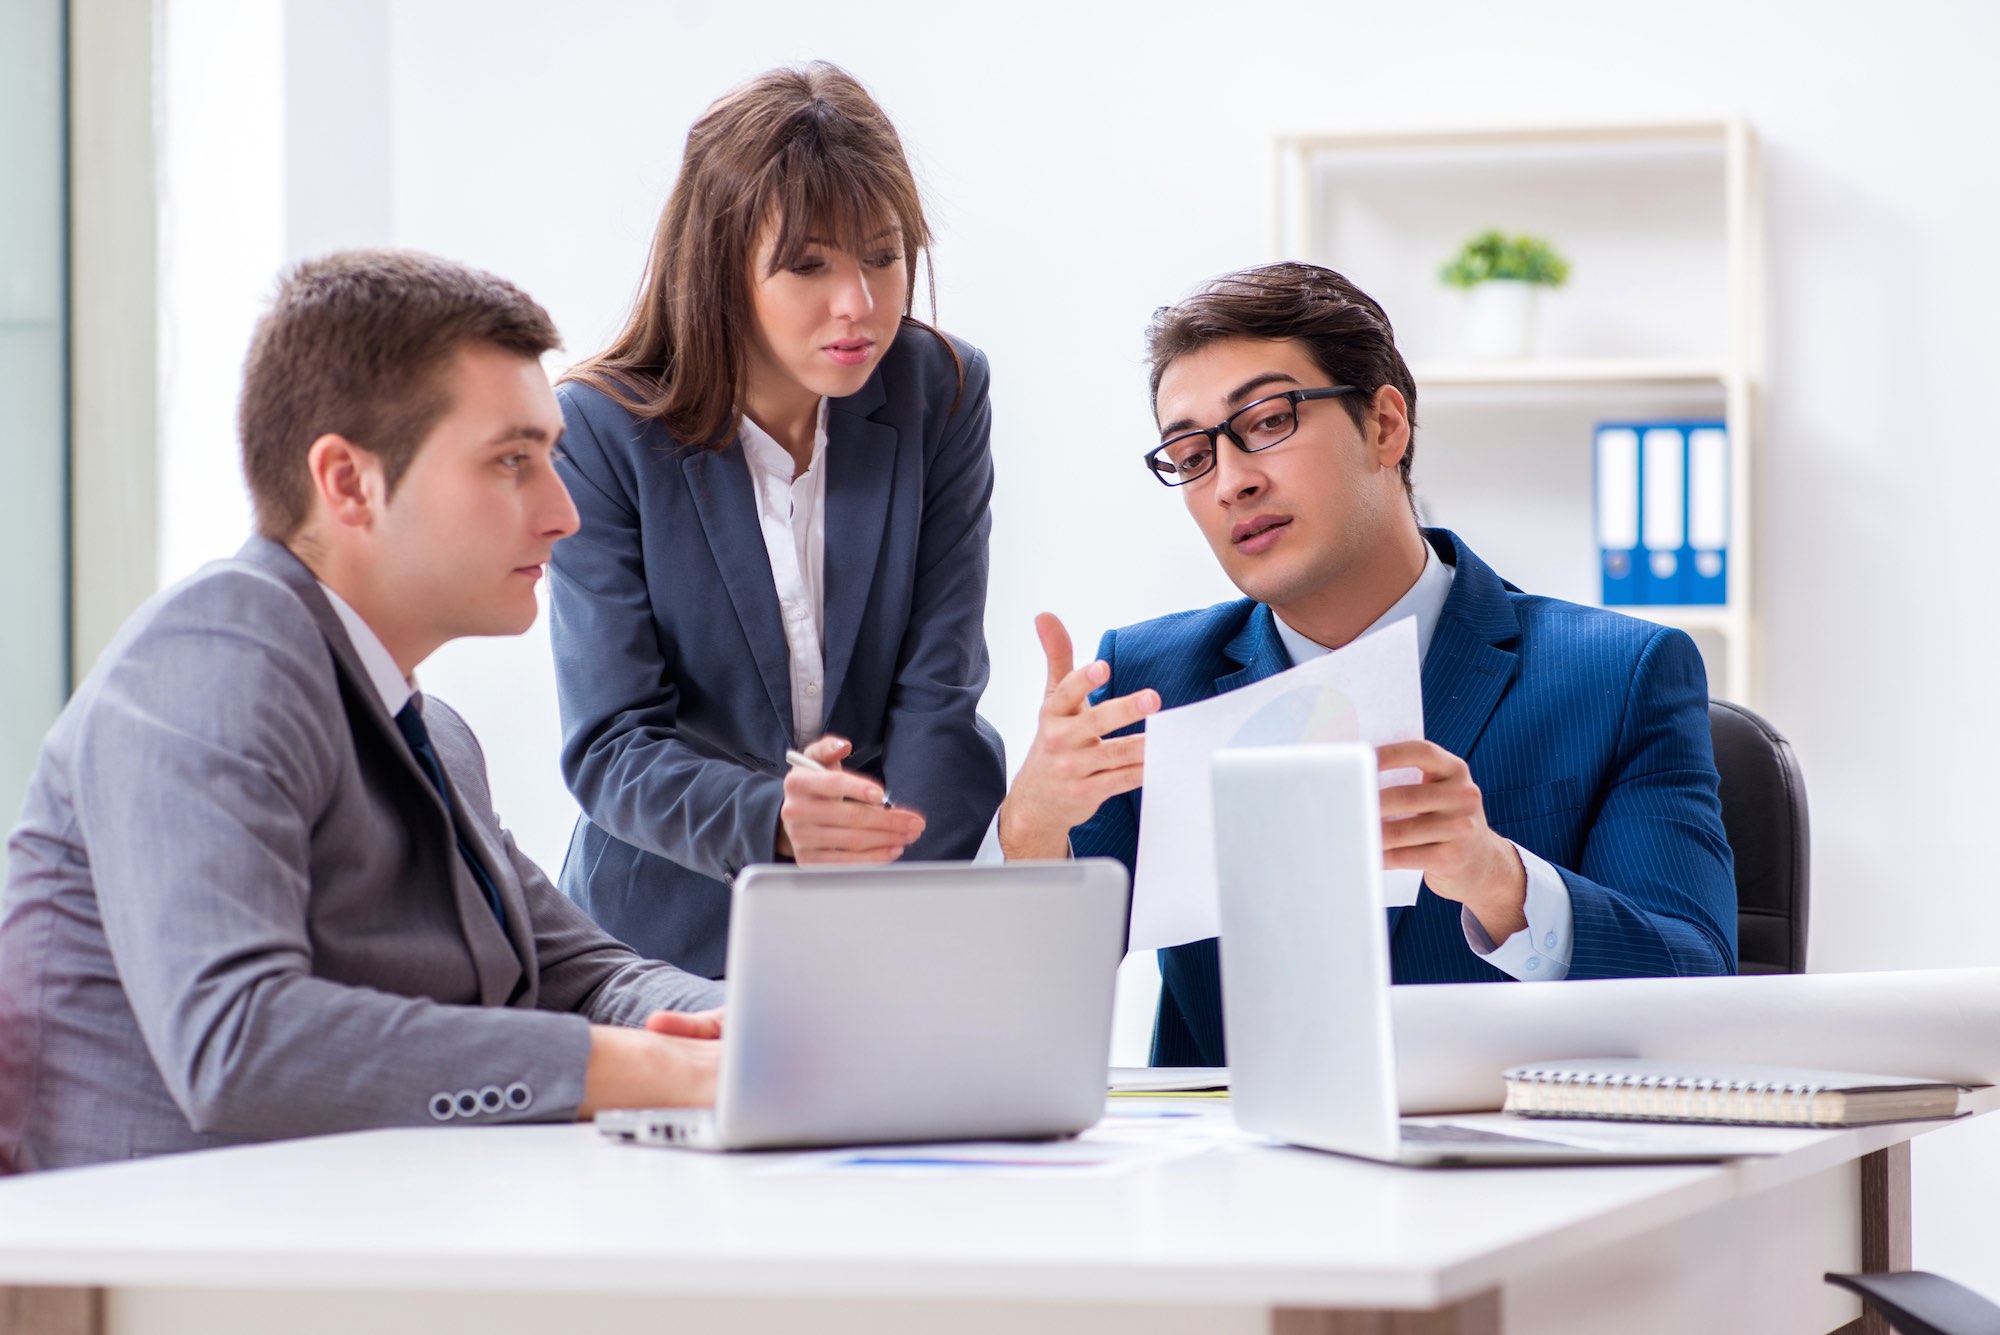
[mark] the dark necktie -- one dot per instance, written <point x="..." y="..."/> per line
<point x="410" y="722"/>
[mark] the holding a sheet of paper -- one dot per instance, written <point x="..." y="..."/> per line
<point x="1366" y="692"/>
<point x="1550" y="790"/>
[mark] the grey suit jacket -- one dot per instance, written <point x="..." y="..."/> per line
<point x="235" y="910"/>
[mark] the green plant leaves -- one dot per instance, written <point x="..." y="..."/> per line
<point x="1494" y="255"/>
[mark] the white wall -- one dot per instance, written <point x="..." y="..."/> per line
<point x="1088" y="162"/>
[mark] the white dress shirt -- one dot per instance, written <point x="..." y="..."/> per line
<point x="383" y="674"/>
<point x="792" y="513"/>
<point x="1541" y="950"/>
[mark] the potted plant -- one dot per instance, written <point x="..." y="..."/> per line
<point x="1500" y="276"/>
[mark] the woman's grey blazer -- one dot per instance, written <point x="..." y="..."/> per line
<point x="671" y="661"/>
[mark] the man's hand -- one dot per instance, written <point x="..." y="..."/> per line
<point x="640" y="1068"/>
<point x="1438" y="826"/>
<point x="1071" y="769"/>
<point x="686" y="1024"/>
<point x="836" y="816"/>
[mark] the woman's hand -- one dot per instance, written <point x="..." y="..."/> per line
<point x="834" y="816"/>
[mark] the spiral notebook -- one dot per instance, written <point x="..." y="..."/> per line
<point x="1633" y="1089"/>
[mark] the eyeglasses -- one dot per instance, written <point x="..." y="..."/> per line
<point x="1255" y="426"/>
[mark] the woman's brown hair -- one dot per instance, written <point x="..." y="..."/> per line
<point x="807" y="149"/>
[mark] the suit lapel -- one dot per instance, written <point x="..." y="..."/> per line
<point x="1466" y="671"/>
<point x="496" y="960"/>
<point x="364" y="706"/>
<point x="1257" y="648"/>
<point x="1469" y="665"/>
<point x="860" y="479"/>
<point x="719" y="481"/>
<point x="497" y="957"/>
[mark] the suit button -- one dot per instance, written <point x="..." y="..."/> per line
<point x="468" y="1103"/>
<point x="519" y="1097"/>
<point x="442" y="1106"/>
<point x="492" y="1099"/>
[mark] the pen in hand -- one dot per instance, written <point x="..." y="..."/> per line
<point x="800" y="760"/>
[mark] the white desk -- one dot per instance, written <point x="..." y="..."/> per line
<point x="549" y="1228"/>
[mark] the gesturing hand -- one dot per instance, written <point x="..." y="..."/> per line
<point x="1438" y="826"/>
<point x="837" y="816"/>
<point x="1071" y="768"/>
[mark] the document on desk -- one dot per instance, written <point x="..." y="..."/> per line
<point x="1086" y="1157"/>
<point x="1369" y="691"/>
<point x="1132" y="1136"/>
<point x="1642" y="1138"/>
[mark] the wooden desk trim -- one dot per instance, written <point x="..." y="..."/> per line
<point x="1885" y="1226"/>
<point x="51" y="1311"/>
<point x="1477" y="1315"/>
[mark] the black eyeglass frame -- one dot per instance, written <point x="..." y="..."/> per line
<point x="1155" y="456"/>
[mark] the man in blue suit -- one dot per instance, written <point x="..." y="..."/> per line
<point x="1567" y="824"/>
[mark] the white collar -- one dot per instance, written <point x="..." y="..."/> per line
<point x="762" y="449"/>
<point x="383" y="674"/>
<point x="1424" y="601"/>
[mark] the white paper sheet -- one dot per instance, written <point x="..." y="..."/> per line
<point x="1369" y="691"/>
<point x="1071" y="1158"/>
<point x="1135" y="1134"/>
<point x="1638" y="1138"/>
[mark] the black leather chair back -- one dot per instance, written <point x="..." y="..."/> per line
<point x="1916" y="1302"/>
<point x="1764" y="814"/>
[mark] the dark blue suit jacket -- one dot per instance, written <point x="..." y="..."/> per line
<point x="671" y="661"/>
<point x="1587" y="733"/>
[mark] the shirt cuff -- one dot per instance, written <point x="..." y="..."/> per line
<point x="1539" y="952"/>
<point x="989" y="854"/>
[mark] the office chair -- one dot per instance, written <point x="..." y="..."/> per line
<point x="1764" y="815"/>
<point x="1916" y="1302"/>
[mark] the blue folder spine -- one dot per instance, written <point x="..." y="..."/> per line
<point x="1662" y="499"/>
<point x="1616" y="477"/>
<point x="1663" y="513"/>
<point x="1707" y="568"/>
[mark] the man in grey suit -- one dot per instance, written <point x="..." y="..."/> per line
<point x="258" y="889"/>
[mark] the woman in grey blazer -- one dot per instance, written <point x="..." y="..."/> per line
<point x="783" y="480"/>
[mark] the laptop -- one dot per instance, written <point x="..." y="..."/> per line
<point x="1305" y="978"/>
<point x="909" y="1003"/>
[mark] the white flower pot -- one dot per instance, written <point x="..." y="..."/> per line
<point x="1500" y="319"/>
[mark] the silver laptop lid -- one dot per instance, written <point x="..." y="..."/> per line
<point x="1304" y="953"/>
<point x="927" y="1001"/>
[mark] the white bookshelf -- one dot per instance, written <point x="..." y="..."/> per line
<point x="1662" y="318"/>
<point x="1564" y="372"/>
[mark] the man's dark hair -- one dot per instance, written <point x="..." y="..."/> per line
<point x="357" y="344"/>
<point x="1347" y="333"/>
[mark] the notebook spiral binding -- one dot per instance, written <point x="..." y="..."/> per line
<point x="1623" y="1096"/>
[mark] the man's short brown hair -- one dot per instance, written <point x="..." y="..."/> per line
<point x="1347" y="333"/>
<point x="356" y="344"/>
